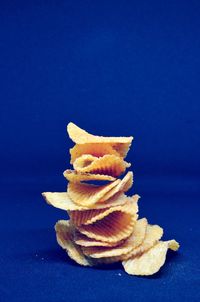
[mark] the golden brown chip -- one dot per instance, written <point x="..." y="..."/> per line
<point x="123" y="186"/>
<point x="65" y="240"/>
<point x="91" y="216"/>
<point x="80" y="136"/>
<point x="153" y="234"/>
<point x="75" y="176"/>
<point x="97" y="150"/>
<point x="61" y="200"/>
<point x="114" y="227"/>
<point x="111" y="165"/>
<point x="129" y="244"/>
<point x="83" y="240"/>
<point x="151" y="261"/>
<point x="87" y="194"/>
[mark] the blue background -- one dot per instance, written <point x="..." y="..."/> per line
<point x="114" y="68"/>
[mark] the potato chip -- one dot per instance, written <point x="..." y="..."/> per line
<point x="150" y="262"/>
<point x="97" y="150"/>
<point x="111" y="165"/>
<point x="129" y="244"/>
<point x="80" y="136"/>
<point x="61" y="200"/>
<point x="124" y="185"/>
<point x="91" y="216"/>
<point x="75" y="176"/>
<point x="83" y="240"/>
<point x="153" y="234"/>
<point x="87" y="194"/>
<point x="114" y="227"/>
<point x="65" y="240"/>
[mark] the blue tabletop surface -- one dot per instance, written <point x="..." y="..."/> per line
<point x="114" y="68"/>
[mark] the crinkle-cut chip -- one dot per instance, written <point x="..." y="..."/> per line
<point x="75" y="176"/>
<point x="87" y="194"/>
<point x="114" y="227"/>
<point x="65" y="240"/>
<point x="129" y="244"/>
<point x="80" y="136"/>
<point x="111" y="165"/>
<point x="153" y="234"/>
<point x="150" y="262"/>
<point x="92" y="215"/>
<point x="83" y="240"/>
<point x="61" y="200"/>
<point x="123" y="186"/>
<point x="97" y="150"/>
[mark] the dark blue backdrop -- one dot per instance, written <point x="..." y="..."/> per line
<point x="114" y="68"/>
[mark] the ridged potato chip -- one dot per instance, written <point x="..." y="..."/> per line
<point x="114" y="227"/>
<point x="61" y="200"/>
<point x="91" y="216"/>
<point x="111" y="165"/>
<point x="74" y="176"/>
<point x="153" y="234"/>
<point x="97" y="150"/>
<point x="151" y="261"/>
<point x="65" y="240"/>
<point x="129" y="244"/>
<point x="123" y="186"/>
<point x="83" y="240"/>
<point x="80" y="136"/>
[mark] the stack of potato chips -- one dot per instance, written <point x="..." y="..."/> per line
<point x="104" y="225"/>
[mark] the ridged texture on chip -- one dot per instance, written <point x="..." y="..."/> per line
<point x="87" y="194"/>
<point x="80" y="136"/>
<point x="83" y="240"/>
<point x="91" y="216"/>
<point x="111" y="165"/>
<point x="123" y="186"/>
<point x="61" y="200"/>
<point x="74" y="176"/>
<point x="151" y="261"/>
<point x="153" y="234"/>
<point x="65" y="240"/>
<point x="114" y="227"/>
<point x="129" y="244"/>
<point x="97" y="150"/>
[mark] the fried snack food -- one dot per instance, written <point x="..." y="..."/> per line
<point x="74" y="176"/>
<point x="88" y="194"/>
<point x="135" y="239"/>
<point x="111" y="165"/>
<point x="104" y="227"/>
<point x="64" y="238"/>
<point x="117" y="225"/>
<point x="80" y="137"/>
<point x="95" y="149"/>
<point x="61" y="200"/>
<point x="150" y="262"/>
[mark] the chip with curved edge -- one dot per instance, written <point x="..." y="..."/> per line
<point x="65" y="240"/>
<point x="88" y="194"/>
<point x="80" y="136"/>
<point x="151" y="261"/>
<point x="74" y="176"/>
<point x="83" y="240"/>
<point x="129" y="244"/>
<point x="153" y="234"/>
<point x="123" y="186"/>
<point x="92" y="215"/>
<point x="114" y="227"/>
<point x="61" y="200"/>
<point x="95" y="149"/>
<point x="111" y="165"/>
